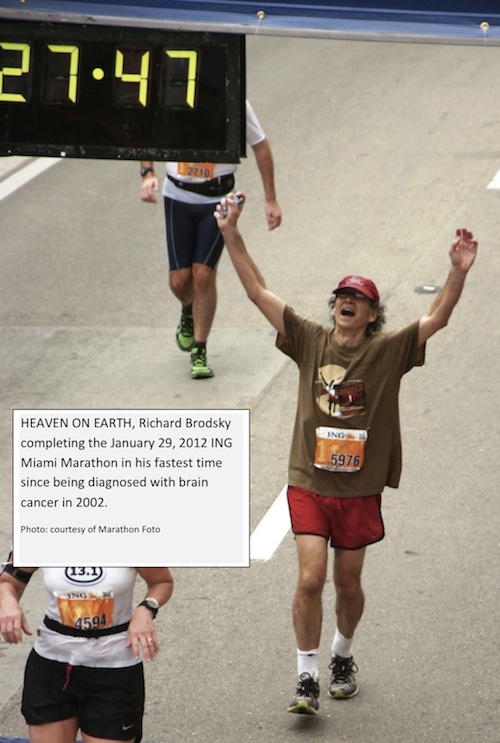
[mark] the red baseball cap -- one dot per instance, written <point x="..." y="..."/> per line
<point x="359" y="284"/>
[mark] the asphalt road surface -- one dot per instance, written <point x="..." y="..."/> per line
<point x="381" y="151"/>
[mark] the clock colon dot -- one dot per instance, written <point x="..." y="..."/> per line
<point x="98" y="73"/>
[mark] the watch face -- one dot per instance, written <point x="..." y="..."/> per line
<point x="152" y="604"/>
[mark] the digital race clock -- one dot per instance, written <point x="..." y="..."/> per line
<point x="115" y="92"/>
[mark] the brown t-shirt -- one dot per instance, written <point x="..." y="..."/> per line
<point x="356" y="388"/>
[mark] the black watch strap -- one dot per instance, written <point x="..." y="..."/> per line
<point x="152" y="605"/>
<point x="145" y="171"/>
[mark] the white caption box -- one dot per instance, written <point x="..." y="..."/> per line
<point x="131" y="487"/>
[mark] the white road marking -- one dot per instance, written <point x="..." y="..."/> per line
<point x="271" y="530"/>
<point x="495" y="183"/>
<point x="26" y="174"/>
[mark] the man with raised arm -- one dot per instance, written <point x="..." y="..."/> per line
<point x="346" y="444"/>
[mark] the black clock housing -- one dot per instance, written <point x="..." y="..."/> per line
<point x="113" y="92"/>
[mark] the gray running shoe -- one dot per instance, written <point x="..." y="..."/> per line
<point x="305" y="701"/>
<point x="342" y="682"/>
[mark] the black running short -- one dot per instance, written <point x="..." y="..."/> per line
<point x="193" y="235"/>
<point x="108" y="702"/>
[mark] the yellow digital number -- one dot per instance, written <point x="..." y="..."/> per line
<point x="192" y="60"/>
<point x="73" y="52"/>
<point x="6" y="72"/>
<point x="142" y="78"/>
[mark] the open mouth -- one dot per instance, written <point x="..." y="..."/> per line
<point x="346" y="312"/>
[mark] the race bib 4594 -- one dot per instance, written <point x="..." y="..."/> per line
<point x="86" y="609"/>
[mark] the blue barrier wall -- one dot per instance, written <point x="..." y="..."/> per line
<point x="466" y="21"/>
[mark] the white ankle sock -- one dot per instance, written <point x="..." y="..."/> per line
<point x="307" y="662"/>
<point x="342" y="645"/>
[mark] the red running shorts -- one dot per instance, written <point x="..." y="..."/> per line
<point x="349" y="523"/>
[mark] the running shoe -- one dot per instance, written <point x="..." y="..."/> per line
<point x="184" y="335"/>
<point x="305" y="701"/>
<point x="342" y="682"/>
<point x="199" y="366"/>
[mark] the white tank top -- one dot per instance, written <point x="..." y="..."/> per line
<point x="88" y="598"/>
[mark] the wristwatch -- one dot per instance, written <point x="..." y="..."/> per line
<point x="145" y="171"/>
<point x="152" y="604"/>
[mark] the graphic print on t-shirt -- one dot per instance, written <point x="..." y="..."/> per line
<point x="337" y="397"/>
